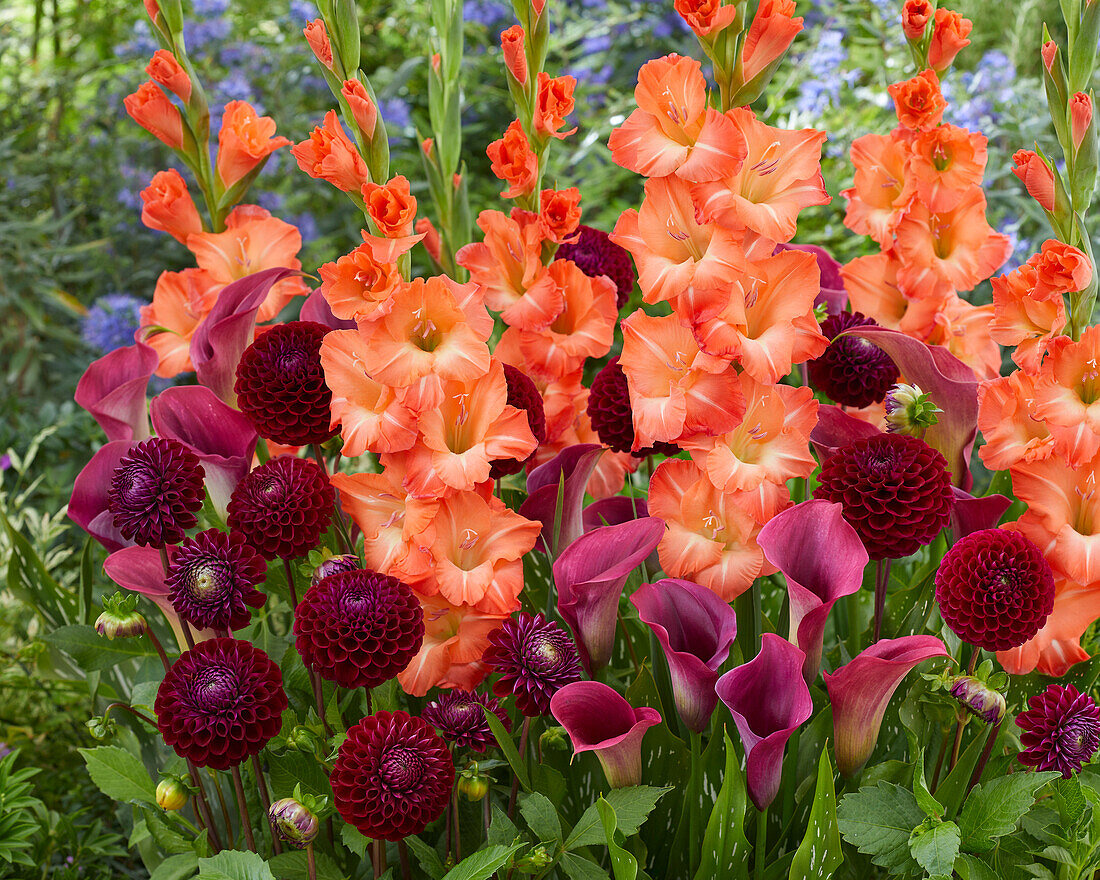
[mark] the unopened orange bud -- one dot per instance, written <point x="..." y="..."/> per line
<point x="512" y="44"/>
<point x="949" y="38"/>
<point x="537" y="6"/>
<point x="436" y="62"/>
<point x="317" y="37"/>
<point x="150" y="108"/>
<point x="152" y="9"/>
<point x="362" y="107"/>
<point x="163" y="68"/>
<point x="915" y="15"/>
<point x="431" y="240"/>
<point x="1050" y="52"/>
<point x="456" y="180"/>
<point x="1037" y="177"/>
<point x="426" y="146"/>
<point x="1080" y="117"/>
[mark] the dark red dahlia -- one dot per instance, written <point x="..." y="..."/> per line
<point x="1061" y="730"/>
<point x="611" y="415"/>
<point x="156" y="491"/>
<point x="283" y="507"/>
<point x="212" y="580"/>
<point x="535" y="659"/>
<point x="895" y="491"/>
<point x="851" y="371"/>
<point x="995" y="589"/>
<point x="393" y="776"/>
<point x="459" y="718"/>
<point x="358" y="628"/>
<point x="220" y="703"/>
<point x="281" y="385"/>
<point x="522" y="394"/>
<point x="596" y="254"/>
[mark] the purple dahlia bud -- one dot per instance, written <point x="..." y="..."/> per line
<point x="119" y="619"/>
<point x="334" y="565"/>
<point x="293" y="822"/>
<point x="978" y="698"/>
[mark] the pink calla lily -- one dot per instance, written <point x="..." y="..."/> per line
<point x="570" y="468"/>
<point x="835" y="428"/>
<point x="88" y="503"/>
<point x="972" y="514"/>
<point x="613" y="510"/>
<point x="113" y="390"/>
<point x="316" y="308"/>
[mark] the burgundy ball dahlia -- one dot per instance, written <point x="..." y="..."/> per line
<point x="1061" y="730"/>
<point x="220" y="703"/>
<point x="281" y="386"/>
<point x="358" y="628"/>
<point x="156" y="491"/>
<point x="459" y="718"/>
<point x="283" y="507"/>
<point x="522" y="394"/>
<point x="851" y="371"/>
<point x="212" y="580"/>
<point x="611" y="415"/>
<point x="535" y="658"/>
<point x="895" y="491"/>
<point x="995" y="589"/>
<point x="393" y="776"/>
<point x="596" y="254"/>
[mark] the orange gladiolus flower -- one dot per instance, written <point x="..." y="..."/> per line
<point x="964" y="330"/>
<point x="771" y="33"/>
<point x="164" y="69"/>
<point x="1022" y="321"/>
<point x="948" y="39"/>
<point x="872" y="285"/>
<point x="253" y="240"/>
<point x="946" y="163"/>
<point x="705" y="17"/>
<point x="919" y="101"/>
<point x="180" y="301"/>
<point x="507" y="266"/>
<point x="1036" y="175"/>
<point x="1057" y="646"/>
<point x="584" y="328"/>
<point x="515" y="58"/>
<point x="245" y="140"/>
<point x="915" y="15"/>
<point x="329" y="154"/>
<point x="1067" y="395"/>
<point x="455" y="638"/>
<point x="673" y="131"/>
<point x="150" y="108"/>
<point x="1059" y="269"/>
<point x="168" y="206"/>
<point x="559" y="213"/>
<point x="780" y="176"/>
<point x="362" y="107"/>
<point x="553" y="102"/>
<point x="882" y="189"/>
<point x="371" y="417"/>
<point x="677" y="391"/>
<point x="673" y="251"/>
<point x="391" y="206"/>
<point x="358" y="287"/>
<point x="317" y="37"/>
<point x="711" y="539"/>
<point x="1007" y="421"/>
<point x="514" y="162"/>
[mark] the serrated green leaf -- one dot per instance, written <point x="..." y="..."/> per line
<point x="178" y="867"/>
<point x="428" y="858"/>
<point x="725" y="847"/>
<point x="166" y="836"/>
<point x="623" y="864"/>
<point x="296" y="768"/>
<point x="234" y="865"/>
<point x="994" y="807"/>
<point x="879" y="820"/>
<point x="502" y="830"/>
<point x="935" y="846"/>
<point x="972" y="868"/>
<point x="631" y="804"/>
<point x="354" y="840"/>
<point x="925" y="800"/>
<point x="579" y="868"/>
<point x="119" y="775"/>
<point x="541" y="816"/>
<point x="295" y="866"/>
<point x="482" y="864"/>
<point x="819" y="854"/>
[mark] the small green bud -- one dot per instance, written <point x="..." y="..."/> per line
<point x="172" y="793"/>
<point x="536" y="860"/>
<point x="909" y="410"/>
<point x="473" y="783"/>
<point x="554" y="738"/>
<point x="302" y="739"/>
<point x="102" y="728"/>
<point x="293" y="822"/>
<point x="120" y="619"/>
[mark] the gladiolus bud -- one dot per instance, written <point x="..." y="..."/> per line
<point x="915" y="15"/>
<point x="120" y="619"/>
<point x="512" y="44"/>
<point x="163" y="68"/>
<point x="705" y="17"/>
<point x="426" y="147"/>
<point x="1050" y="53"/>
<point x="431" y="240"/>
<point x="436" y="62"/>
<point x="152" y="9"/>
<point x="909" y="410"/>
<point x="537" y="6"/>
<point x="293" y="823"/>
<point x="979" y="699"/>
<point x="150" y="108"/>
<point x="1037" y="177"/>
<point x="362" y="107"/>
<point x="1080" y="117"/>
<point x="948" y="39"/>
<point x="168" y="206"/>
<point x="172" y="793"/>
<point x="317" y="37"/>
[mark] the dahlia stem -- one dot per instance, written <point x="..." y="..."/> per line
<point x="515" y="780"/>
<point x="939" y="762"/>
<point x="290" y="584"/>
<point x="141" y="716"/>
<point x="265" y="799"/>
<point x="987" y="750"/>
<point x="403" y="854"/>
<point x="225" y="808"/>
<point x="380" y="858"/>
<point x="187" y="635"/>
<point x="959" y="724"/>
<point x="311" y="862"/>
<point x="319" y="699"/>
<point x="160" y="649"/>
<point x="458" y="830"/>
<point x="341" y="525"/>
<point x="203" y="813"/>
<point x="447" y="821"/>
<point x="882" y="579"/>
<point x="242" y="806"/>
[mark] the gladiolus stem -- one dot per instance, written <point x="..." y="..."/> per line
<point x="987" y="750"/>
<point x="759" y="857"/>
<point x="242" y="807"/>
<point x="265" y="799"/>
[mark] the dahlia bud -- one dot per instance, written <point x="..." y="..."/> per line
<point x="978" y="698"/>
<point x="119" y="619"/>
<point x="293" y="822"/>
<point x="535" y="861"/>
<point x="172" y="793"/>
<point x="302" y="739"/>
<point x="909" y="410"/>
<point x="473" y="783"/>
<point x="101" y="728"/>
<point x="334" y="565"/>
<point x="554" y="738"/>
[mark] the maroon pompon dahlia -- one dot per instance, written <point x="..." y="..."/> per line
<point x="460" y="719"/>
<point x="894" y="489"/>
<point x="212" y="580"/>
<point x="283" y="507"/>
<point x="611" y="415"/>
<point x="535" y="659"/>
<point x="522" y="394"/>
<point x="281" y="386"/>
<point x="156" y="491"/>
<point x="995" y="589"/>
<point x="393" y="776"/>
<point x="1060" y="730"/>
<point x="851" y="371"/>
<point x="220" y="703"/>
<point x="596" y="254"/>
<point x="358" y="628"/>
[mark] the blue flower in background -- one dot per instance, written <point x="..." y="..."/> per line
<point x="112" y="321"/>
<point x="486" y="12"/>
<point x="210" y="8"/>
<point x="303" y="11"/>
<point x="395" y="113"/>
<point x="977" y="98"/>
<point x="822" y="90"/>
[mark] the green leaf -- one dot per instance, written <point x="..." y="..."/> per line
<point x="623" y="864"/>
<point x="579" y="868"/>
<point x="166" y="836"/>
<point x="935" y="846"/>
<point x="296" y="768"/>
<point x="354" y="840"/>
<point x="428" y="858"/>
<point x="508" y="746"/>
<point x="295" y="866"/>
<point x="879" y="820"/>
<point x="502" y="830"/>
<point x="482" y="864"/>
<point x="725" y="847"/>
<point x="994" y="807"/>
<point x="631" y="804"/>
<point x="119" y="775"/>
<point x="925" y="800"/>
<point x="180" y="867"/>
<point x="972" y="868"/>
<point x="93" y="652"/>
<point x="234" y="865"/>
<point x="819" y="854"/>
<point x="541" y="816"/>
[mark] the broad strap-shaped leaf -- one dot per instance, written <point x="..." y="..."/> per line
<point x="819" y="854"/>
<point x="725" y="847"/>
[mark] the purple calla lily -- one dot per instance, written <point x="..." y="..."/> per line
<point x="822" y="558"/>
<point x="590" y="575"/>
<point x="695" y="629"/>
<point x="88" y="503"/>
<point x="972" y="514"/>
<point x="769" y="700"/>
<point x="573" y="466"/>
<point x="599" y="720"/>
<point x="612" y="511"/>
<point x="113" y="390"/>
<point x="316" y="308"/>
<point x="835" y="428"/>
<point x="861" y="689"/>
